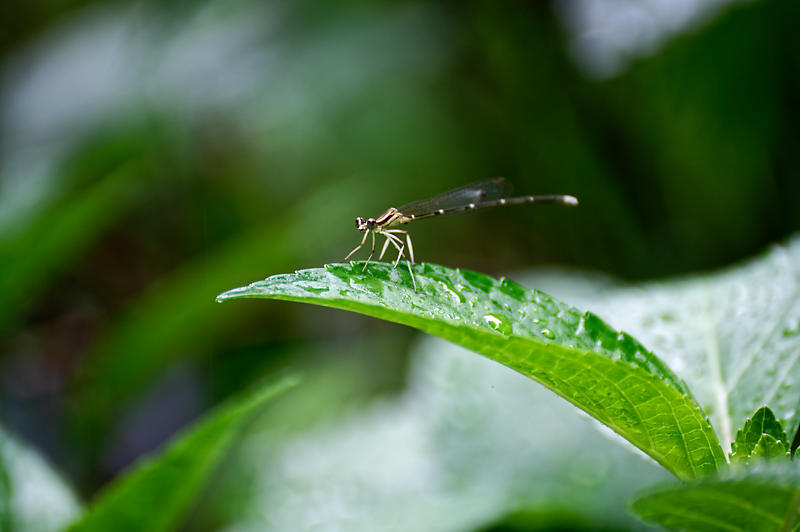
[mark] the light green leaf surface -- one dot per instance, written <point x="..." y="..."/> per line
<point x="156" y="492"/>
<point x="761" y="435"/>
<point x="606" y="373"/>
<point x="733" y="336"/>
<point x="465" y="445"/>
<point x="760" y="499"/>
<point x="33" y="496"/>
<point x="769" y="447"/>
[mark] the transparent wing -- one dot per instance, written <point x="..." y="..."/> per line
<point x="478" y="192"/>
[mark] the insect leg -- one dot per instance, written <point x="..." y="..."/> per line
<point x="410" y="252"/>
<point x="385" y="245"/>
<point x="358" y="246"/>
<point x="371" y="253"/>
<point x="413" y="279"/>
<point x="408" y="240"/>
<point x="399" y="245"/>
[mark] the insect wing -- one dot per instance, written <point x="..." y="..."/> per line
<point x="478" y="192"/>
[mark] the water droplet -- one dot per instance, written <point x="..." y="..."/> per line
<point x="455" y="296"/>
<point x="547" y="333"/>
<point x="499" y="323"/>
<point x="580" y="329"/>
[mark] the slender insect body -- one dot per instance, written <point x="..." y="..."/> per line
<point x="483" y="194"/>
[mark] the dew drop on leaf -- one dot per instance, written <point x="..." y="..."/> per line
<point x="499" y="323"/>
<point x="580" y="329"/>
<point x="454" y="295"/>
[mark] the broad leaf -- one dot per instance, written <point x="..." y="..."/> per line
<point x="733" y="336"/>
<point x="467" y="445"/>
<point x="156" y="492"/>
<point x="759" y="499"/>
<point x="606" y="373"/>
<point x="761" y="435"/>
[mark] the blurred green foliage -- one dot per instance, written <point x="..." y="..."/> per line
<point x="153" y="154"/>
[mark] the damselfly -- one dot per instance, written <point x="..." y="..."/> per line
<point x="479" y="195"/>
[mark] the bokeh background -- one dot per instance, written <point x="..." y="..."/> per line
<point x="154" y="154"/>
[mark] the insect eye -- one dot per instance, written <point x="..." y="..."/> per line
<point x="359" y="222"/>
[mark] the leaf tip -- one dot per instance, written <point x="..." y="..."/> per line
<point x="231" y="294"/>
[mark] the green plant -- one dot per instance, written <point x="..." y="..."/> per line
<point x="154" y="494"/>
<point x="735" y="335"/>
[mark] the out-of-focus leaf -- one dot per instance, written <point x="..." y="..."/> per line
<point x="33" y="497"/>
<point x="795" y="442"/>
<point x="761" y="435"/>
<point x="602" y="371"/>
<point x="162" y="324"/>
<point x="763" y="499"/>
<point x="734" y="336"/>
<point x="155" y="493"/>
<point x="58" y="235"/>
<point x="690" y="129"/>
<point x="469" y="443"/>
<point x="5" y="499"/>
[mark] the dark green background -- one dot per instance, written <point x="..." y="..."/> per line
<point x="170" y="151"/>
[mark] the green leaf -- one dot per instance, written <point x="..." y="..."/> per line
<point x="768" y="447"/>
<point x="751" y="500"/>
<point x="604" y="372"/>
<point x="157" y="491"/>
<point x="467" y="443"/>
<point x="761" y="435"/>
<point x="733" y="335"/>
<point x="58" y="236"/>
<point x="161" y="324"/>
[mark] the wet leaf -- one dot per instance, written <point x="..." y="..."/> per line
<point x="733" y="335"/>
<point x="761" y="435"/>
<point x="602" y="371"/>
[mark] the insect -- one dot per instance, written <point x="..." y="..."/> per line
<point x="478" y="195"/>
